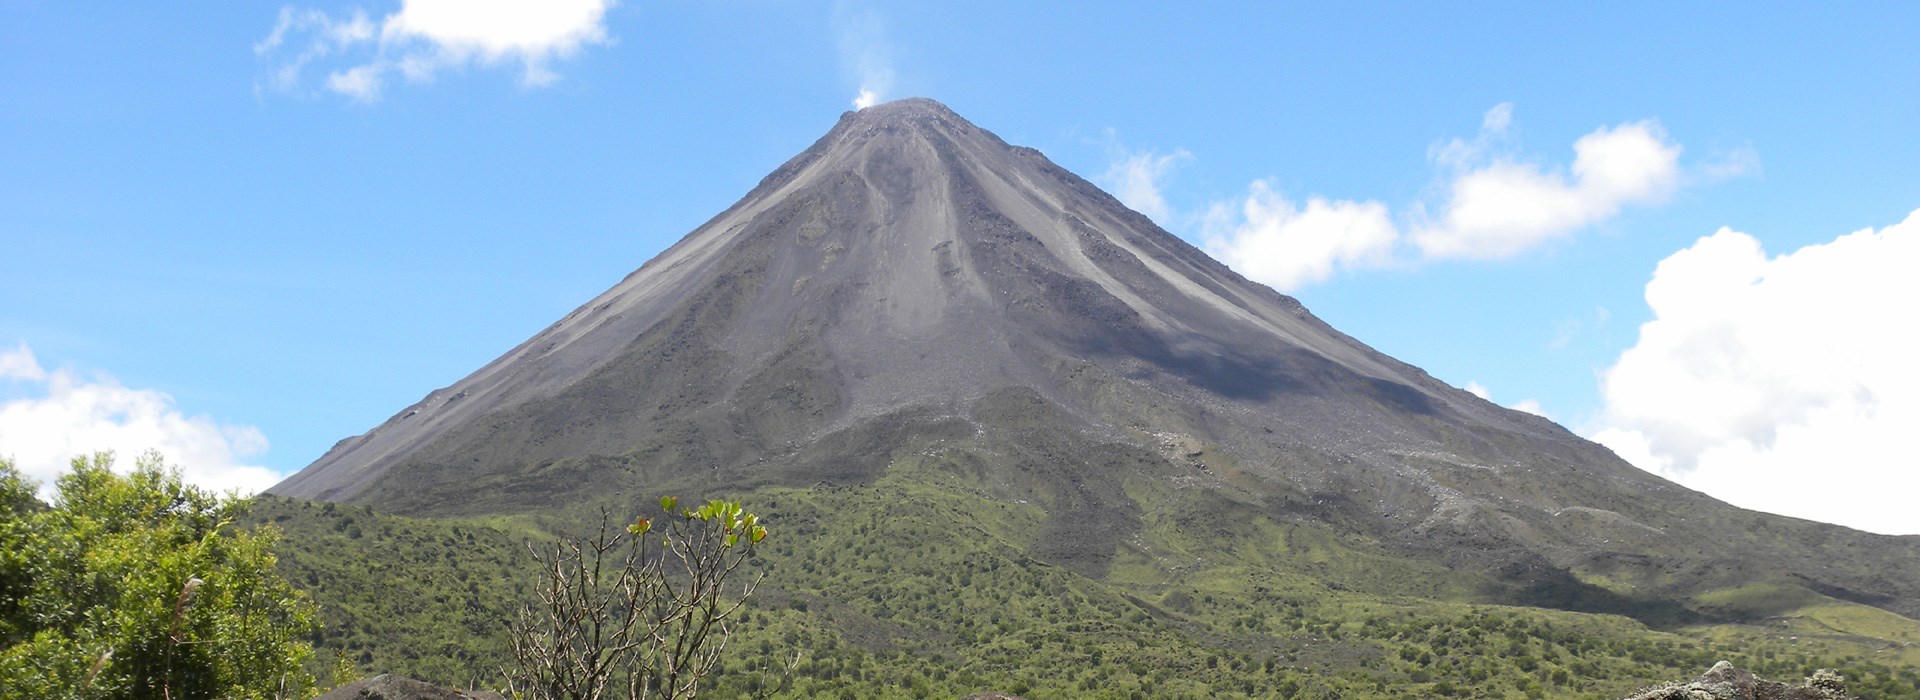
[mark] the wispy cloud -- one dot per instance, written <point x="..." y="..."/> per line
<point x="48" y="417"/>
<point x="1566" y="330"/>
<point x="1781" y="383"/>
<point x="318" y="36"/>
<point x="865" y="52"/>
<point x="1136" y="178"/>
<point x="1738" y="162"/>
<point x="19" y="365"/>
<point x="425" y="37"/>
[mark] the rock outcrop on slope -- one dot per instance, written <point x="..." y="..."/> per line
<point x="1724" y="682"/>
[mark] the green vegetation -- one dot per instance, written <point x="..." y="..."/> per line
<point x="139" y="586"/>
<point x="424" y="598"/>
<point x="922" y="584"/>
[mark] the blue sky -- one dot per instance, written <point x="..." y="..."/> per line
<point x="241" y="232"/>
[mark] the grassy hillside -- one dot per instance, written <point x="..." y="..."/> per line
<point x="924" y="584"/>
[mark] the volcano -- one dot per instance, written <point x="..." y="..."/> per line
<point x="913" y="293"/>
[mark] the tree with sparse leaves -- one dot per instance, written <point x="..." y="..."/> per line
<point x="138" y="585"/>
<point x="639" y="613"/>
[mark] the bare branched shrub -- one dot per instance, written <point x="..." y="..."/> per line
<point x="637" y="614"/>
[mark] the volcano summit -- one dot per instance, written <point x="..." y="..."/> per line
<point x="911" y="294"/>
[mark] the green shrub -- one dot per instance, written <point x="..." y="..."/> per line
<point x="139" y="586"/>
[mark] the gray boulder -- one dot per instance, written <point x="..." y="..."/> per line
<point x="1724" y="682"/>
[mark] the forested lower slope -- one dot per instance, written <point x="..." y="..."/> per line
<point x="920" y="586"/>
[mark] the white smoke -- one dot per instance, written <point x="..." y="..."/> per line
<point x="865" y="52"/>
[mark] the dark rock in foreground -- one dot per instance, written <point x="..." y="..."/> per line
<point x="1724" y="682"/>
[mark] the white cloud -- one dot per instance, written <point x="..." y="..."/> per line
<point x="20" y="365"/>
<point x="1272" y="240"/>
<point x="1565" y="331"/>
<point x="1497" y="120"/>
<point x="1782" y="383"/>
<point x="1490" y="204"/>
<point x="1136" y="180"/>
<point x="425" y="37"/>
<point x="325" y="36"/>
<point x="1530" y="406"/>
<point x="1739" y="162"/>
<point x="1633" y="446"/>
<point x="1478" y="389"/>
<point x="865" y="52"/>
<point x="362" y="83"/>
<point x="1498" y="206"/>
<point x="63" y="415"/>
<point x="1527" y="405"/>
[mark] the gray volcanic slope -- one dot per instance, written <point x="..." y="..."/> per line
<point x="913" y="283"/>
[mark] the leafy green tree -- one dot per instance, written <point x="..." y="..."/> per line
<point x="645" y="613"/>
<point x="138" y="585"/>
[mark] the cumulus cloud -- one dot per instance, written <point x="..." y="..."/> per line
<point x="1271" y="239"/>
<point x="1498" y="205"/>
<point x="49" y="417"/>
<point x="1488" y="202"/>
<point x="1781" y="383"/>
<point x="865" y="52"/>
<point x="425" y="37"/>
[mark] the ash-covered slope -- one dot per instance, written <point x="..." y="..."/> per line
<point x="913" y="287"/>
<point x="911" y="259"/>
